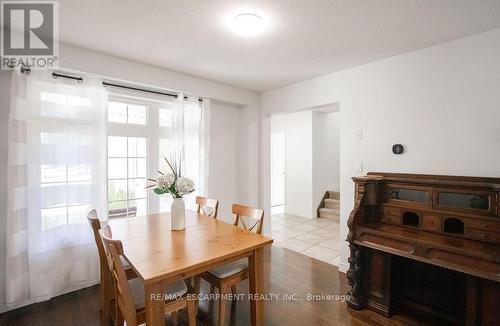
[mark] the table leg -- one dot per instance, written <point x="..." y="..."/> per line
<point x="256" y="273"/>
<point x="155" y="313"/>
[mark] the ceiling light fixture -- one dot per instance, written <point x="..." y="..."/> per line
<point x="248" y="25"/>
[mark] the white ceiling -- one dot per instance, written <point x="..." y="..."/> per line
<point x="305" y="38"/>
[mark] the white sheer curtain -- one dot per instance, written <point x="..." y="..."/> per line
<point x="56" y="174"/>
<point x="190" y="140"/>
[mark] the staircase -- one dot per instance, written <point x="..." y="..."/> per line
<point x="330" y="206"/>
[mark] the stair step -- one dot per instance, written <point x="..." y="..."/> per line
<point x="330" y="217"/>
<point x="329" y="210"/>
<point x="329" y="213"/>
<point x="332" y="203"/>
<point x="334" y="195"/>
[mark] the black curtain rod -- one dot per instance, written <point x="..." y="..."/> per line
<point x="138" y="89"/>
<point x="79" y="79"/>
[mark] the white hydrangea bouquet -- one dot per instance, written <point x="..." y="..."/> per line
<point x="172" y="183"/>
<point x="175" y="184"/>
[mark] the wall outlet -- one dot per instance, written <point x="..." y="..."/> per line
<point x="359" y="135"/>
<point x="358" y="166"/>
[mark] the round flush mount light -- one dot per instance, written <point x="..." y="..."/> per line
<point x="248" y="25"/>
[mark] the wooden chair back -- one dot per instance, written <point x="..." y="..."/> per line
<point x="124" y="297"/>
<point x="254" y="218"/>
<point x="95" y="224"/>
<point x="204" y="203"/>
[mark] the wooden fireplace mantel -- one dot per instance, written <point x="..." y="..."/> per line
<point x="427" y="230"/>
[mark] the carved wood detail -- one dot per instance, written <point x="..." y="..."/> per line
<point x="357" y="299"/>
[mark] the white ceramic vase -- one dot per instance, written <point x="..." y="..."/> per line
<point x="178" y="214"/>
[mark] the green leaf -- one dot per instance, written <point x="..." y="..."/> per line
<point x="159" y="191"/>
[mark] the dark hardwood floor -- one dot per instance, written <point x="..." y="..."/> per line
<point x="286" y="273"/>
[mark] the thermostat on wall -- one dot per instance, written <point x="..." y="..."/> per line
<point x="397" y="149"/>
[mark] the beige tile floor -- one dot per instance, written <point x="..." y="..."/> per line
<point x="317" y="238"/>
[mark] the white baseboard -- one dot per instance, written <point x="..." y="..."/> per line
<point x="343" y="267"/>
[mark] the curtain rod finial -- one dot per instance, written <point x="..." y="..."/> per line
<point x="25" y="70"/>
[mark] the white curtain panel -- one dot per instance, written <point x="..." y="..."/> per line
<point x="204" y="135"/>
<point x="190" y="143"/>
<point x="56" y="174"/>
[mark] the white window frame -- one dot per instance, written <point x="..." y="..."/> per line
<point x="151" y="131"/>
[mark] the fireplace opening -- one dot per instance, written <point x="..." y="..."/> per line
<point x="453" y="225"/>
<point x="411" y="219"/>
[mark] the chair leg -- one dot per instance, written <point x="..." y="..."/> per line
<point x="119" y="317"/>
<point x="191" y="309"/>
<point x="106" y="298"/>
<point x="105" y="305"/>
<point x="197" y="286"/>
<point x="174" y="317"/>
<point x="222" y="304"/>
<point x="105" y="312"/>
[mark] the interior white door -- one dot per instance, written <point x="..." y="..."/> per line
<point x="278" y="161"/>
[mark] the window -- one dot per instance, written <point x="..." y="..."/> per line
<point x="126" y="113"/>
<point x="63" y="184"/>
<point x="67" y="175"/>
<point x="140" y="136"/>
<point x="135" y="129"/>
<point x="127" y="174"/>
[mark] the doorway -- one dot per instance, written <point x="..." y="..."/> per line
<point x="304" y="180"/>
<point x="278" y="160"/>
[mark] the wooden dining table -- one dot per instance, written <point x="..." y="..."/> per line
<point x="161" y="256"/>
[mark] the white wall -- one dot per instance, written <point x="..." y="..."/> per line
<point x="441" y="102"/>
<point x="224" y="169"/>
<point x="298" y="155"/>
<point x="326" y="154"/>
<point x="249" y="160"/>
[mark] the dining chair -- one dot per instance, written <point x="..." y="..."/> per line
<point x="227" y="276"/>
<point x="107" y="292"/>
<point x="207" y="206"/>
<point x="130" y="297"/>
